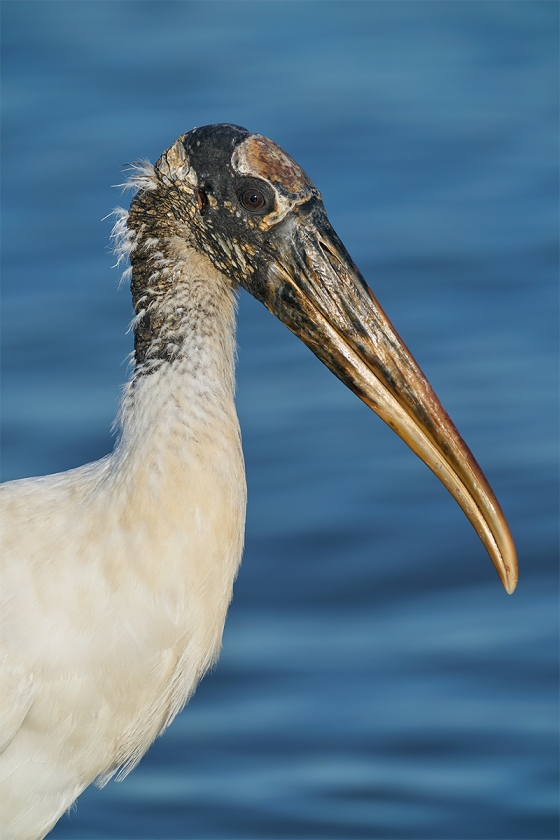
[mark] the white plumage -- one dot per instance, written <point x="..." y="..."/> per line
<point x="117" y="576"/>
<point x="122" y="559"/>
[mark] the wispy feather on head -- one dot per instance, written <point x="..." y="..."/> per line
<point x="140" y="176"/>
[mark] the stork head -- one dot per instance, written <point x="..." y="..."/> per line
<point x="244" y="203"/>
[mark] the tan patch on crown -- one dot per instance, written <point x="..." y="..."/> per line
<point x="261" y="157"/>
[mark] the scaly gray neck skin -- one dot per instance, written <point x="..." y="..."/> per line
<point x="184" y="331"/>
<point x="176" y="292"/>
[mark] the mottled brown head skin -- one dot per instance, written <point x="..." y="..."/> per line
<point x="262" y="158"/>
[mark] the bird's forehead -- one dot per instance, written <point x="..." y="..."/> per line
<point x="262" y="158"/>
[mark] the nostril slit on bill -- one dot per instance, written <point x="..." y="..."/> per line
<point x="330" y="255"/>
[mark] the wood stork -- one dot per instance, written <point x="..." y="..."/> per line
<point x="117" y="575"/>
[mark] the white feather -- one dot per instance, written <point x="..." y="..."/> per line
<point x="126" y="565"/>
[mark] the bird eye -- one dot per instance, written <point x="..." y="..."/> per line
<point x="253" y="200"/>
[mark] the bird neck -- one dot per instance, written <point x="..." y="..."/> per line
<point x="184" y="341"/>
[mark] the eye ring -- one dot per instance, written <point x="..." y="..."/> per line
<point x="253" y="200"/>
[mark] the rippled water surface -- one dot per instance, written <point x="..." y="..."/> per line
<point x="375" y="682"/>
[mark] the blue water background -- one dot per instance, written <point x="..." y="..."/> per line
<point x="375" y="681"/>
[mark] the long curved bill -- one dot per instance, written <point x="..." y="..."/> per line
<point x="316" y="290"/>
